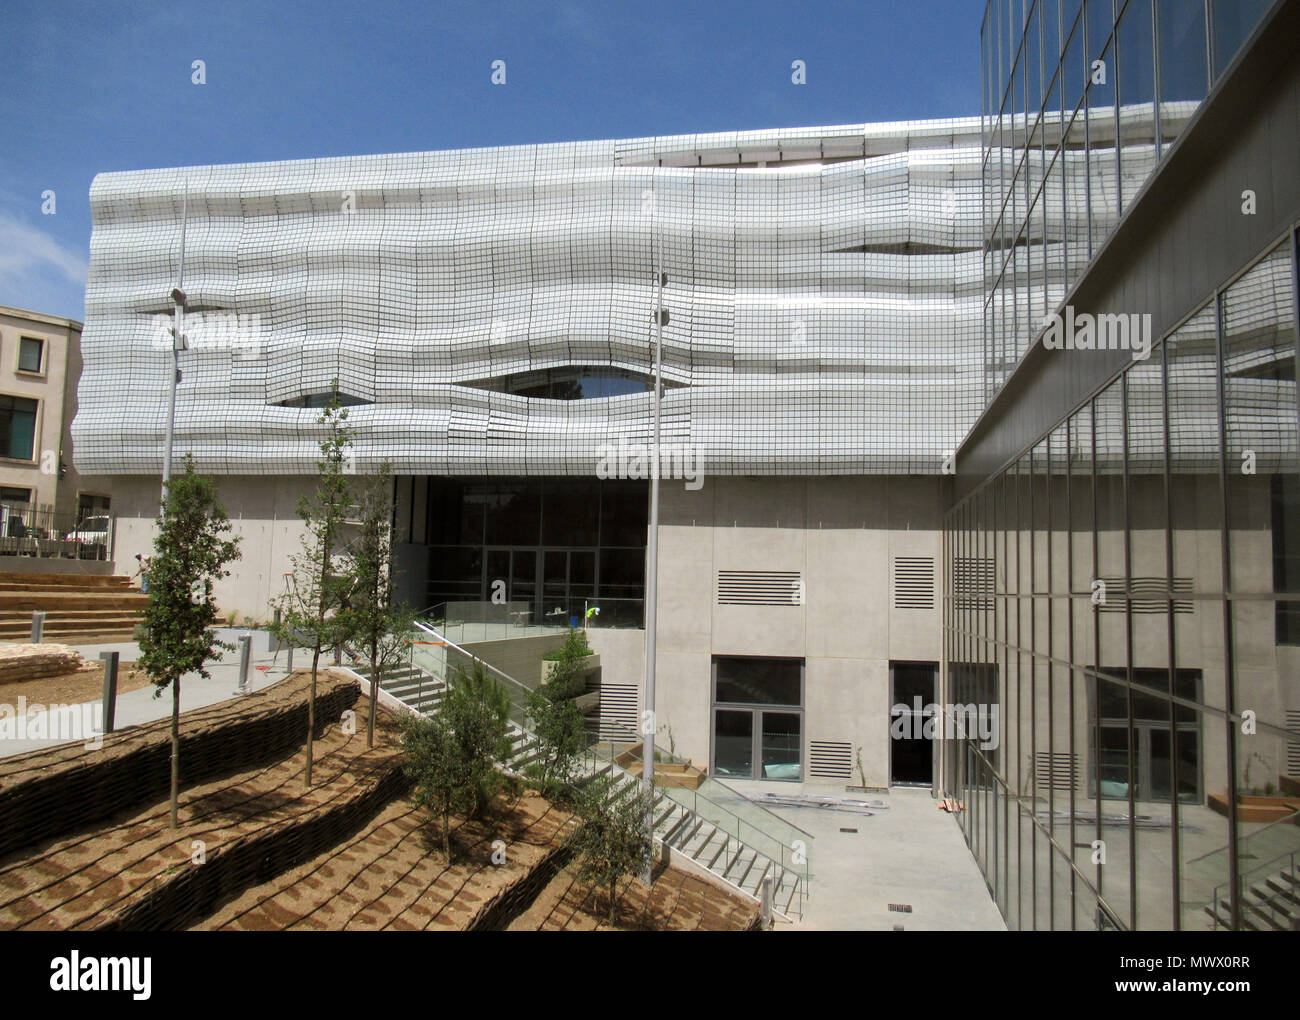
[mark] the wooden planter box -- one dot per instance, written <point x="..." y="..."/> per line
<point x="667" y="774"/>
<point x="1253" y="808"/>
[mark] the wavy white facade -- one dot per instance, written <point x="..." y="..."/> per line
<point x="824" y="292"/>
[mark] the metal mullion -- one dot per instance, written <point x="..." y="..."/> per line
<point x="1051" y="692"/>
<point x="1096" y="656"/>
<point x="1128" y="656"/>
<point x="1229" y="703"/>
<point x="1175" y="840"/>
<point x="1069" y="639"/>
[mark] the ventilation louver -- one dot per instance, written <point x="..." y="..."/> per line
<point x="1059" y="771"/>
<point x="760" y="588"/>
<point x="830" y="759"/>
<point x="1147" y="595"/>
<point x="913" y="582"/>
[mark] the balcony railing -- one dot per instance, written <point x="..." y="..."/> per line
<point x="43" y="533"/>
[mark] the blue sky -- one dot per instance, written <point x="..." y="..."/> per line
<point x="91" y="87"/>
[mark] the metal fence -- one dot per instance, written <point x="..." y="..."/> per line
<point x="43" y="533"/>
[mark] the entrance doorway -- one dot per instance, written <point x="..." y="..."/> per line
<point x="912" y="699"/>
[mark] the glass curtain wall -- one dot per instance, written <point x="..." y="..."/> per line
<point x="1138" y="634"/>
<point x="1081" y="101"/>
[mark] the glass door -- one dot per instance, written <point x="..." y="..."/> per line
<point x="733" y="743"/>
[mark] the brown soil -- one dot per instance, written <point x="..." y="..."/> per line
<point x="85" y="880"/>
<point x="677" y="901"/>
<point x="73" y="688"/>
<point x="392" y="874"/>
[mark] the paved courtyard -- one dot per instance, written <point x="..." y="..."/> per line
<point x="907" y="853"/>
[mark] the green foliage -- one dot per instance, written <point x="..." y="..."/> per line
<point x="315" y="609"/>
<point x="615" y="840"/>
<point x="451" y="757"/>
<point x="555" y="720"/>
<point x="191" y="552"/>
<point x="383" y="627"/>
<point x="557" y="723"/>
<point x="567" y="678"/>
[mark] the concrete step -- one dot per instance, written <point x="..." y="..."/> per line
<point x="16" y="580"/>
<point x="26" y="601"/>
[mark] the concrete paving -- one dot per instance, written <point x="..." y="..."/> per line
<point x="908" y="852"/>
<point x="81" y="724"/>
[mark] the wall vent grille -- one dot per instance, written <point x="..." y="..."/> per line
<point x="1147" y="594"/>
<point x="913" y="582"/>
<point x="1293" y="745"/>
<point x="760" y="588"/>
<point x="1059" y="771"/>
<point x="830" y="759"/>
<point x="972" y="582"/>
<point x="618" y="703"/>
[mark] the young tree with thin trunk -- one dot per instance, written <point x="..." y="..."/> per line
<point x="615" y="839"/>
<point x="451" y="756"/>
<point x="315" y="611"/>
<point x="383" y="626"/>
<point x="190" y="555"/>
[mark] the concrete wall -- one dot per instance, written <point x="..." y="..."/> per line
<point x="841" y="535"/>
<point x="264" y="513"/>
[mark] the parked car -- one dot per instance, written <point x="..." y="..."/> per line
<point x="90" y="537"/>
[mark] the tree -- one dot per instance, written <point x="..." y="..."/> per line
<point x="615" y="839"/>
<point x="315" y="610"/>
<point x="190" y="555"/>
<point x="451" y="757"/>
<point x="556" y="721"/>
<point x="382" y="626"/>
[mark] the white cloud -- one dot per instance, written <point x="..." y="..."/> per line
<point x="26" y="251"/>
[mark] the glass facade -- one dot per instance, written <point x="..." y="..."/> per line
<point x="1081" y="100"/>
<point x="549" y="547"/>
<point x="1133" y="617"/>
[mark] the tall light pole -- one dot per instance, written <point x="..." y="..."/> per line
<point x="652" y="551"/>
<point x="177" y="345"/>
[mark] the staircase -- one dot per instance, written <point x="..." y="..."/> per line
<point x="1270" y="904"/>
<point x="79" y="608"/>
<point x="714" y="842"/>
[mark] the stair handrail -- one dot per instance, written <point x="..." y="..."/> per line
<point x="518" y="685"/>
<point x="1291" y="819"/>
<point x="1265" y="867"/>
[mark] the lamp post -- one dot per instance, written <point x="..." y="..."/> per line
<point x="177" y="345"/>
<point x="652" y="551"/>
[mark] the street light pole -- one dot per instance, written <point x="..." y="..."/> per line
<point x="652" y="552"/>
<point x="177" y="345"/>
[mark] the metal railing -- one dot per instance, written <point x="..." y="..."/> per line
<point x="1275" y="906"/>
<point x="46" y="534"/>
<point x="469" y="621"/>
<point x="1276" y="840"/>
<point x="753" y="826"/>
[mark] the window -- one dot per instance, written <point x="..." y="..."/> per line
<point x="758" y="718"/>
<point x="31" y="354"/>
<point x="324" y="400"/>
<point x="9" y="495"/>
<point x="91" y="505"/>
<point x="17" y="427"/>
